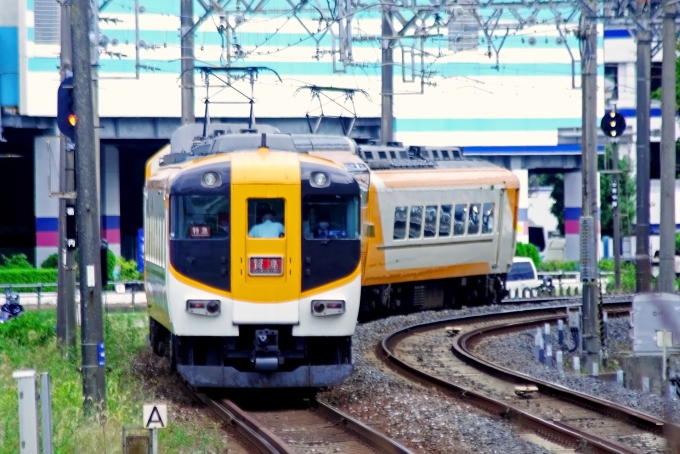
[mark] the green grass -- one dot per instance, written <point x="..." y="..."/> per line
<point x="131" y="379"/>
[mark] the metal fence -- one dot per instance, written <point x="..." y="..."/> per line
<point x="43" y="295"/>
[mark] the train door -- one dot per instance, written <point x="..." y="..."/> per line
<point x="266" y="242"/>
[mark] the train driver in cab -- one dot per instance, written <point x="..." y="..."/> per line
<point x="268" y="228"/>
<point x="323" y="230"/>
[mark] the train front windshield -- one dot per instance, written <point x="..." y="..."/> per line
<point x="331" y="216"/>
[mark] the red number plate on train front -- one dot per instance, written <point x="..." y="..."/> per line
<point x="266" y="266"/>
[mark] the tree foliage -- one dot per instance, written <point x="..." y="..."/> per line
<point x="656" y="94"/>
<point x="556" y="180"/>
<point x="627" y="191"/>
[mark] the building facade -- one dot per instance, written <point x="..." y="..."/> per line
<point x="517" y="105"/>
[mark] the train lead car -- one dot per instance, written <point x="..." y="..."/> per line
<point x="264" y="249"/>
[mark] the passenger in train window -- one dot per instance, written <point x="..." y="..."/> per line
<point x="268" y="228"/>
<point x="487" y="218"/>
<point x="473" y="224"/>
<point x="459" y="219"/>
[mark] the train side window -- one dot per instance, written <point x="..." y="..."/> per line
<point x="445" y="155"/>
<point x="403" y="155"/>
<point x="330" y="216"/>
<point x="400" y="215"/>
<point x="266" y="218"/>
<point x="430" y="221"/>
<point x="435" y="153"/>
<point x="200" y="217"/>
<point x="393" y="155"/>
<point x="369" y="155"/>
<point x="473" y="223"/>
<point x="382" y="155"/>
<point x="445" y="221"/>
<point x="488" y="218"/>
<point x="415" y="226"/>
<point x="459" y="219"/>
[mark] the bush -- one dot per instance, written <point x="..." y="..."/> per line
<point x="29" y="276"/>
<point x="528" y="250"/>
<point x="128" y="270"/>
<point x="52" y="262"/>
<point x="18" y="261"/>
<point x="557" y="265"/>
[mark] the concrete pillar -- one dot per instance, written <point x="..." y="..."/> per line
<point x="572" y="212"/>
<point x="523" y="216"/>
<point x="46" y="152"/>
<point x="110" y="198"/>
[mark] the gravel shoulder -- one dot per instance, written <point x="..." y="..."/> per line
<point x="420" y="418"/>
<point x="516" y="351"/>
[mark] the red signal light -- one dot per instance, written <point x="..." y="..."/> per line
<point x="72" y="119"/>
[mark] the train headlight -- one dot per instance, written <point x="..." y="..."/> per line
<point x="319" y="180"/>
<point x="211" y="180"/>
<point x="210" y="308"/>
<point x="321" y="308"/>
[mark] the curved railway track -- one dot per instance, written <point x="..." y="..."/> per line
<point x="567" y="418"/>
<point x="297" y="429"/>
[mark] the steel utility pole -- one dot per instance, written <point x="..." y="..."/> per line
<point x="187" y="43"/>
<point x="589" y="249"/>
<point x="87" y="209"/>
<point x="643" y="66"/>
<point x="66" y="273"/>
<point x="387" y="117"/>
<point x="667" y="202"/>
<point x="616" y="191"/>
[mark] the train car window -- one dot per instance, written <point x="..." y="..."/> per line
<point x="400" y="214"/>
<point x="266" y="218"/>
<point x="382" y="155"/>
<point x="473" y="223"/>
<point x="403" y="155"/>
<point x="445" y="221"/>
<point x="415" y="226"/>
<point x="445" y="155"/>
<point x="393" y="155"/>
<point x="435" y="153"/>
<point x="430" y="221"/>
<point x="459" y="219"/>
<point x="487" y="218"/>
<point x="369" y="155"/>
<point x="330" y="216"/>
<point x="200" y="217"/>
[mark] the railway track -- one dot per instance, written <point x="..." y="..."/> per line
<point x="566" y="418"/>
<point x="308" y="426"/>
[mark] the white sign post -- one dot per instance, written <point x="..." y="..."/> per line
<point x="155" y="416"/>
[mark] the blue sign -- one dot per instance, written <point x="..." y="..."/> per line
<point x="100" y="354"/>
<point x="140" y="250"/>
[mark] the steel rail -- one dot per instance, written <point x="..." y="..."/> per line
<point x="462" y="348"/>
<point x="372" y="437"/>
<point x="556" y="431"/>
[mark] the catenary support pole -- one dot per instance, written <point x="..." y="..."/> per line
<point x="643" y="68"/>
<point x="187" y="54"/>
<point x="66" y="274"/>
<point x="589" y="246"/>
<point x="87" y="213"/>
<point x="617" y="215"/>
<point x="667" y="202"/>
<point x="387" y="117"/>
<point x="95" y="92"/>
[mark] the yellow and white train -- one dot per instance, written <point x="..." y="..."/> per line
<point x="263" y="249"/>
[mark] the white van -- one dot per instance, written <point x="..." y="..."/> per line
<point x="522" y="275"/>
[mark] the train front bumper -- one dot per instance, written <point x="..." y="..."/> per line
<point x="301" y="377"/>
